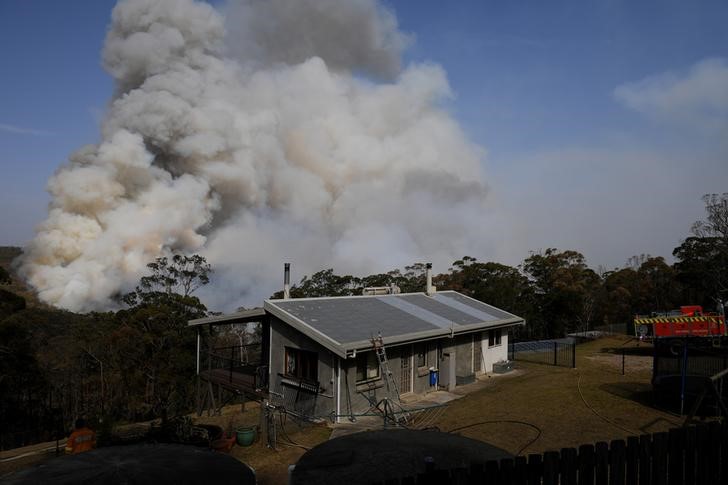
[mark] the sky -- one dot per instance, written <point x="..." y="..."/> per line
<point x="602" y="123"/>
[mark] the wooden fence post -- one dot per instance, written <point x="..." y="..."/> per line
<point x="520" y="472"/>
<point x="617" y="456"/>
<point x="724" y="453"/>
<point x="701" y="448"/>
<point x="714" y="452"/>
<point x="645" y="466"/>
<point x="535" y="469"/>
<point x="491" y="471"/>
<point x="569" y="465"/>
<point x="476" y="473"/>
<point x="601" y="471"/>
<point x="676" y="460"/>
<point x="690" y="463"/>
<point x="586" y="465"/>
<point x="506" y="475"/>
<point x="632" y="460"/>
<point x="659" y="458"/>
<point x="551" y="468"/>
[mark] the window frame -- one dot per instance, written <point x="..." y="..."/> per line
<point x="422" y="349"/>
<point x="370" y="364"/>
<point x="305" y="364"/>
<point x="495" y="337"/>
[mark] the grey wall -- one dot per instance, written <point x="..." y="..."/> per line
<point x="283" y="336"/>
<point x="357" y="398"/>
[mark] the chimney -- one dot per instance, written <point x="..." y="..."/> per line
<point x="429" y="289"/>
<point x="286" y="281"/>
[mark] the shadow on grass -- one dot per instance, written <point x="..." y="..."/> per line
<point x="667" y="402"/>
<point x="642" y="350"/>
<point x="640" y="392"/>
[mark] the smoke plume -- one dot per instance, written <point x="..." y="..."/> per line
<point x="263" y="132"/>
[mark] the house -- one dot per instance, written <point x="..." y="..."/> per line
<point x="318" y="356"/>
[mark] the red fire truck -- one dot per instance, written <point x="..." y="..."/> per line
<point x="689" y="321"/>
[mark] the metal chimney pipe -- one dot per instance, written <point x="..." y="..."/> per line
<point x="286" y="281"/>
<point x="429" y="289"/>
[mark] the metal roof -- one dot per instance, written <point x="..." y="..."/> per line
<point x="252" y="315"/>
<point x="344" y="324"/>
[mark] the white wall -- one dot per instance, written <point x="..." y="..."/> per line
<point x="495" y="353"/>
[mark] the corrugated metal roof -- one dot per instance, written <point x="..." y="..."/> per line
<point x="346" y="323"/>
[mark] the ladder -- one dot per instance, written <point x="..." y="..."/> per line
<point x="381" y="354"/>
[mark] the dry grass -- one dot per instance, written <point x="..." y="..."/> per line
<point x="509" y="411"/>
<point x="549" y="398"/>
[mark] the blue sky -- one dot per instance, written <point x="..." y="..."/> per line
<point x="603" y="122"/>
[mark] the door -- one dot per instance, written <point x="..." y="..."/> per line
<point x="443" y="364"/>
<point x="405" y="374"/>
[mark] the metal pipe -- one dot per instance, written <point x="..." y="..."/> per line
<point x="429" y="289"/>
<point x="198" y="351"/>
<point x="286" y="281"/>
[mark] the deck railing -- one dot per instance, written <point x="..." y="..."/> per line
<point x="239" y="359"/>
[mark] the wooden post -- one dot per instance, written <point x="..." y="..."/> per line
<point x="676" y="462"/>
<point x="550" y="468"/>
<point x="556" y="351"/>
<point x="632" y="460"/>
<point x="617" y="455"/>
<point x="535" y="469"/>
<point x="645" y="467"/>
<point x="586" y="465"/>
<point x="659" y="458"/>
<point x="568" y="466"/>
<point x="602" y="463"/>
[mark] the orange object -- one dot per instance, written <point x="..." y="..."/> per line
<point x="82" y="439"/>
<point x="223" y="445"/>
<point x="689" y="321"/>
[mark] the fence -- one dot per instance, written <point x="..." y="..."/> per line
<point x="559" y="352"/>
<point x="696" y="455"/>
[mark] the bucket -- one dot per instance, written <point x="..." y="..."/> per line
<point x="246" y="436"/>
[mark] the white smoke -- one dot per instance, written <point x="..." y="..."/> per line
<point x="296" y="137"/>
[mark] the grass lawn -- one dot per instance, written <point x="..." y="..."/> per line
<point x="548" y="398"/>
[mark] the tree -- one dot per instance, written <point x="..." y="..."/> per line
<point x="182" y="276"/>
<point x="716" y="222"/>
<point x="660" y="285"/>
<point x="493" y="283"/>
<point x="154" y="348"/>
<point x="702" y="260"/>
<point x="563" y="286"/>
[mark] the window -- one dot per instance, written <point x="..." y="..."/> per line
<point x="367" y="366"/>
<point x="494" y="337"/>
<point x="422" y="350"/>
<point x="301" y="364"/>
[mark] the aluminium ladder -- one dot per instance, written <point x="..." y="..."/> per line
<point x="381" y="354"/>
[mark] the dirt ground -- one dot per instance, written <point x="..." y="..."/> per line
<point x="534" y="409"/>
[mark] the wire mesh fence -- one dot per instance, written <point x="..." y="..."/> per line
<point x="558" y="352"/>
